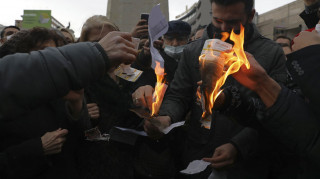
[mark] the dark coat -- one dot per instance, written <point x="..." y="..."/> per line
<point x="311" y="20"/>
<point x="110" y="159"/>
<point x="30" y="107"/>
<point x="181" y="97"/>
<point x="295" y="121"/>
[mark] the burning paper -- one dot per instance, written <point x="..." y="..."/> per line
<point x="159" y="90"/>
<point x="215" y="66"/>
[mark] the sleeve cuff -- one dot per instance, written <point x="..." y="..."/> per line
<point x="32" y="147"/>
<point x="105" y="56"/>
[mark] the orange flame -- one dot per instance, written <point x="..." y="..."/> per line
<point x="159" y="90"/>
<point x="233" y="60"/>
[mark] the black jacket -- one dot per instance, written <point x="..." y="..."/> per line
<point x="31" y="85"/>
<point x="181" y="96"/>
<point x="295" y="121"/>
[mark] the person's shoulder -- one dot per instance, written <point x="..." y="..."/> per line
<point x="265" y="44"/>
<point x="195" y="45"/>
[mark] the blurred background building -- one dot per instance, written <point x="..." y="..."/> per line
<point x="199" y="14"/>
<point x="126" y="13"/>
<point x="284" y="20"/>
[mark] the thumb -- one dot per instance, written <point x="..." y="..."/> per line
<point x="207" y="160"/>
<point x="62" y="132"/>
<point x="126" y="36"/>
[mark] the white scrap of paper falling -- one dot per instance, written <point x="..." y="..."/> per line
<point x="172" y="126"/>
<point x="133" y="131"/>
<point x="195" y="166"/>
<point x="158" y="26"/>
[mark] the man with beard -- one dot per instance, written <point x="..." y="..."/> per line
<point x="227" y="142"/>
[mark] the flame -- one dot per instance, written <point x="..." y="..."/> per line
<point x="233" y="60"/>
<point x="159" y="90"/>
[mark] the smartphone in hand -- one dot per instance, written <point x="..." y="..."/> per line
<point x="145" y="16"/>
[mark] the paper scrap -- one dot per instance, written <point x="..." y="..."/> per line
<point x="172" y="126"/>
<point x="215" y="46"/>
<point x="126" y="69"/>
<point x="133" y="76"/>
<point x="158" y="26"/>
<point x="195" y="167"/>
<point x="94" y="134"/>
<point x="133" y="131"/>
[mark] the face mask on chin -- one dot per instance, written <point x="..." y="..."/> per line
<point x="174" y="52"/>
<point x="9" y="37"/>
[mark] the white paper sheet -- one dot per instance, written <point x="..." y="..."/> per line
<point x="158" y="26"/>
<point x="172" y="126"/>
<point x="196" y="166"/>
<point x="134" y="76"/>
<point x="141" y="133"/>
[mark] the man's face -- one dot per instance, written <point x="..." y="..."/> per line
<point x="175" y="40"/>
<point x="8" y="32"/>
<point x="228" y="17"/>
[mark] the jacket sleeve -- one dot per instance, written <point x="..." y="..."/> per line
<point x="180" y="92"/>
<point x="304" y="66"/>
<point x="11" y="157"/>
<point x="291" y="120"/>
<point x="246" y="140"/>
<point x="310" y="19"/>
<point x="28" y="80"/>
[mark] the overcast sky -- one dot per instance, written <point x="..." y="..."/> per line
<point x="77" y="11"/>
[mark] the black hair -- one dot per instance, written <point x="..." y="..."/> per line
<point x="248" y="3"/>
<point x="283" y="37"/>
<point x="26" y="41"/>
<point x="3" y="30"/>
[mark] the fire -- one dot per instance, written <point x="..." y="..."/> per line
<point x="159" y="90"/>
<point x="232" y="61"/>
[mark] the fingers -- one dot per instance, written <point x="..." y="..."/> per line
<point x="57" y="147"/>
<point x="152" y="131"/>
<point x="93" y="110"/>
<point x="219" y="158"/>
<point x="142" y="27"/>
<point x="62" y="132"/>
<point x="90" y="105"/>
<point x="222" y="164"/>
<point x="142" y="22"/>
<point x="143" y="96"/>
<point x="127" y="43"/>
<point x="147" y="43"/>
<point x="207" y="160"/>
<point x="142" y="102"/>
<point x="125" y="35"/>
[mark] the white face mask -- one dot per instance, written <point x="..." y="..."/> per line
<point x="9" y="37"/>
<point x="174" y="52"/>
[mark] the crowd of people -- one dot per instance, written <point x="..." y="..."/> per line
<point x="61" y="102"/>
